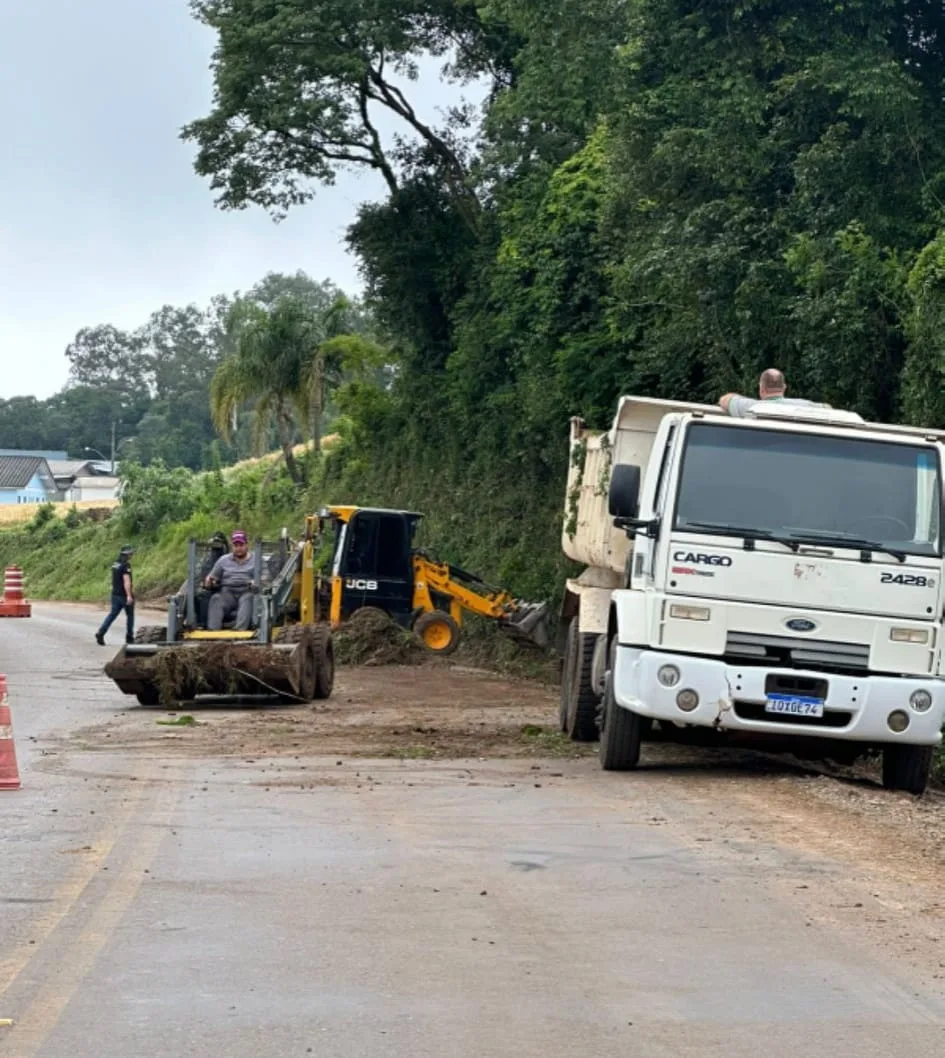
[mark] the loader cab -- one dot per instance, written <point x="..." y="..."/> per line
<point x="372" y="562"/>
<point x="269" y="557"/>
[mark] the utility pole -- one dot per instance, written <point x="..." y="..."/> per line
<point x="114" y="424"/>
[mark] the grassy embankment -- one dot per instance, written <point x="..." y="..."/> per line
<point x="66" y="550"/>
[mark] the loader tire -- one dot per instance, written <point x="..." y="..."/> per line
<point x="151" y="634"/>
<point x="302" y="635"/>
<point x="907" y="768"/>
<point x="149" y="695"/>
<point x="291" y="634"/>
<point x="438" y="632"/>
<point x="324" y="655"/>
<point x="578" y="700"/>
<point x="621" y="731"/>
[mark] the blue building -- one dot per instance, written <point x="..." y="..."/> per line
<point x="26" y="479"/>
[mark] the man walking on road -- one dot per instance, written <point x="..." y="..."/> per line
<point x="771" y="387"/>
<point x="123" y="597"/>
<point x="234" y="574"/>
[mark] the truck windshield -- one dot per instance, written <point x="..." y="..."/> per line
<point x="796" y="485"/>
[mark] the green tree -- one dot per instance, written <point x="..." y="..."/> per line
<point x="107" y="357"/>
<point x="299" y="86"/>
<point x="285" y="362"/>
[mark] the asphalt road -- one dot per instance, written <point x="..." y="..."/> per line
<point x="160" y="906"/>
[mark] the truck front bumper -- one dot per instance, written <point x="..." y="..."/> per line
<point x="731" y="697"/>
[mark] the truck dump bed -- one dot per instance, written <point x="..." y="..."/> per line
<point x="589" y="536"/>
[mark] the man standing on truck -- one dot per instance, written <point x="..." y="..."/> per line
<point x="233" y="574"/>
<point x="123" y="597"/>
<point x="771" y="386"/>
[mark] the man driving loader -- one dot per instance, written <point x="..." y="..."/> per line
<point x="233" y="573"/>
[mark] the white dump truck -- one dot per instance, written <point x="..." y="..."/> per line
<point x="777" y="576"/>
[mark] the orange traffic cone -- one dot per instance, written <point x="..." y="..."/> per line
<point x="13" y="603"/>
<point x="9" y="773"/>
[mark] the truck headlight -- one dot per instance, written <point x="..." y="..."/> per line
<point x="690" y="613"/>
<point x="921" y="701"/>
<point x="909" y="635"/>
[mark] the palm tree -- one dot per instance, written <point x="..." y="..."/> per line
<point x="268" y="368"/>
<point x="285" y="361"/>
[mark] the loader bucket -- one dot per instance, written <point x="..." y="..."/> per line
<point x="528" y="625"/>
<point x="159" y="674"/>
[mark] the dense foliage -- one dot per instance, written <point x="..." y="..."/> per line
<point x="659" y="196"/>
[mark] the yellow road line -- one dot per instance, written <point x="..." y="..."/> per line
<point x="67" y="894"/>
<point x="41" y="1017"/>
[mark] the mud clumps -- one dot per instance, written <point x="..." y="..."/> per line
<point x="371" y="638"/>
<point x="218" y="668"/>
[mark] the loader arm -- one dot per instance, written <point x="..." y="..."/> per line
<point x="523" y="621"/>
<point x="431" y="576"/>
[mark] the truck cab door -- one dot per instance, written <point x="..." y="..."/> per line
<point x="376" y="567"/>
<point x="653" y="504"/>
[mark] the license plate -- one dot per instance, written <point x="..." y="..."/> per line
<point x="794" y="705"/>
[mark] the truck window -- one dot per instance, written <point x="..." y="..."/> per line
<point x="796" y="483"/>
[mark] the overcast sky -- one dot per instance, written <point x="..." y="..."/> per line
<point x="103" y="219"/>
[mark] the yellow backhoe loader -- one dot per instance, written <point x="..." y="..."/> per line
<point x="373" y="563"/>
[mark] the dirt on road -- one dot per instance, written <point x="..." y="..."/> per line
<point x="433" y="711"/>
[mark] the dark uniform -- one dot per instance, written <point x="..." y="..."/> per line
<point x="122" y="598"/>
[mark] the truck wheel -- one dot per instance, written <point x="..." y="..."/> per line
<point x="907" y="768"/>
<point x="563" y="700"/>
<point x="579" y="702"/>
<point x="621" y="732"/>
<point x="437" y="631"/>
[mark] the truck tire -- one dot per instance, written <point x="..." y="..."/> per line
<point x="578" y="700"/>
<point x="907" y="768"/>
<point x="621" y="731"/>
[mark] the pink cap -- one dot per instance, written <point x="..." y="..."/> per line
<point x="238" y="537"/>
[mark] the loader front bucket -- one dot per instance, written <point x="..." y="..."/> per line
<point x="161" y="674"/>
<point x="528" y="625"/>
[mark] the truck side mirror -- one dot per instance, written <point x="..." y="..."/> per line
<point x="623" y="500"/>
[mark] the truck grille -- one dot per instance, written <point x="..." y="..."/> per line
<point x="793" y="652"/>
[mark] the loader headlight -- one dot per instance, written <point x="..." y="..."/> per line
<point x="668" y="675"/>
<point x="690" y="613"/>
<point x="921" y="701"/>
<point x="909" y="635"/>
